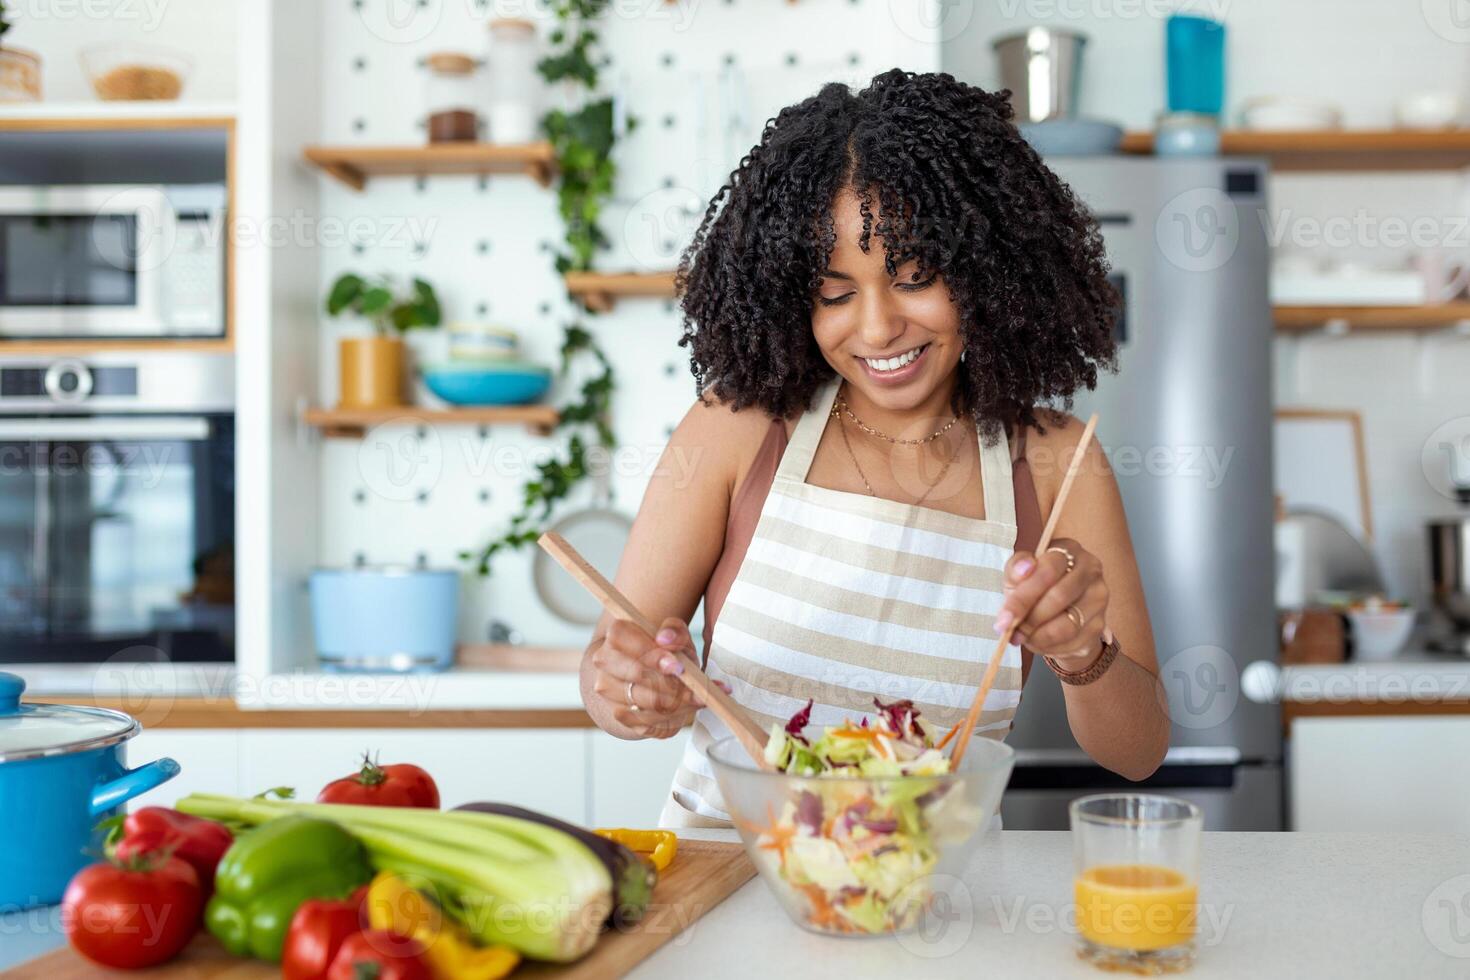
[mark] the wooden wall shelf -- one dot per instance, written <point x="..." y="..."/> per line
<point x="1359" y="319"/>
<point x="353" y="165"/>
<point x="71" y="116"/>
<point x="1343" y="149"/>
<point x="353" y="422"/>
<point x="600" y="291"/>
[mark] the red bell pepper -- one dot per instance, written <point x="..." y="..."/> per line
<point x="197" y="841"/>
<point x="378" y="954"/>
<point x="318" y="930"/>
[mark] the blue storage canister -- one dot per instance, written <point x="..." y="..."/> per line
<point x="385" y="619"/>
<point x="1195" y="63"/>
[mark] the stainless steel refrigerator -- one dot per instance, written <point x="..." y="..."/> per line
<point x="1187" y="425"/>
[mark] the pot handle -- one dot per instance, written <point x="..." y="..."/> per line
<point x="134" y="782"/>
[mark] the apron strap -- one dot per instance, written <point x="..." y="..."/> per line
<point x="995" y="477"/>
<point x="797" y="459"/>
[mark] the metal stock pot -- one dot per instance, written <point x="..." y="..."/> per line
<point x="62" y="771"/>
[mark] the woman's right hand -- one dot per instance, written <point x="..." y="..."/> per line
<point x="639" y="682"/>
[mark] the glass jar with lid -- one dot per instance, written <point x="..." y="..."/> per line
<point x="453" y="95"/>
<point x="515" y="86"/>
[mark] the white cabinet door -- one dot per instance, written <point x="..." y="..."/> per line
<point x="1394" y="775"/>
<point x="544" y="769"/>
<point x="209" y="760"/>
<point x="630" y="780"/>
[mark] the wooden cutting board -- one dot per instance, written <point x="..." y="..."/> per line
<point x="702" y="876"/>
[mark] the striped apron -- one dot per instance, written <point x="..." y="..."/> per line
<point x="842" y="598"/>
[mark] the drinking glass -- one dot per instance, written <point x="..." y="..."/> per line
<point x="1137" y="880"/>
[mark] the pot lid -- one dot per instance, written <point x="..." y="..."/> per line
<point x="29" y="731"/>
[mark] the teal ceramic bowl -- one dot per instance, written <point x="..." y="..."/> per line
<point x="488" y="382"/>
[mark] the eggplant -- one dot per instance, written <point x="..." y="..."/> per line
<point x="633" y="878"/>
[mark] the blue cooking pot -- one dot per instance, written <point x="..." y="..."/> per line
<point x="62" y="771"/>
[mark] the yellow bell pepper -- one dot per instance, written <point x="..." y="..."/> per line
<point x="395" y="905"/>
<point x="659" y="845"/>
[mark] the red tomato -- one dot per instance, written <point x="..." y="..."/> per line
<point x="375" y="785"/>
<point x="378" y="954"/>
<point x="133" y="915"/>
<point x="317" y="932"/>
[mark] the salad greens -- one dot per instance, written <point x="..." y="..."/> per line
<point x="860" y="848"/>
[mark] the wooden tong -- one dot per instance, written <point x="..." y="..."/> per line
<point x="967" y="727"/>
<point x="714" y="697"/>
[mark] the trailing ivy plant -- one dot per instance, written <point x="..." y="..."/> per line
<point x="583" y="137"/>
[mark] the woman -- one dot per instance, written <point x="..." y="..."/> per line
<point x="880" y="305"/>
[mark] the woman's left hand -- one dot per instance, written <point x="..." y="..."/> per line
<point x="1061" y="614"/>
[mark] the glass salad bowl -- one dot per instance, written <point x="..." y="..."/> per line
<point x="856" y="856"/>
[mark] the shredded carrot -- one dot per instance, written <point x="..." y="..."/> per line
<point x="823" y="913"/>
<point x="948" y="735"/>
<point x="780" y="837"/>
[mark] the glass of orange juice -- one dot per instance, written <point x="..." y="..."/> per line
<point x="1137" y="884"/>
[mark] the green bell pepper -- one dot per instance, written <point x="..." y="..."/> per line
<point x="271" y="870"/>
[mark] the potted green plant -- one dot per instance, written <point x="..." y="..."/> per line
<point x="371" y="369"/>
<point x="20" y="70"/>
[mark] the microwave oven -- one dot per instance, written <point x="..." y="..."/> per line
<point x="112" y="260"/>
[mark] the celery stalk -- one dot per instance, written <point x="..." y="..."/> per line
<point x="509" y="881"/>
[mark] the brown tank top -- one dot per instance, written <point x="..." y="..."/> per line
<point x="750" y="497"/>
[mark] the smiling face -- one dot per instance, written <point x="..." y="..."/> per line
<point x="895" y="340"/>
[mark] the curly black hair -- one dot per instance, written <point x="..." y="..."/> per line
<point x="958" y="191"/>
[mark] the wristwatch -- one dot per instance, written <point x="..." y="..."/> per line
<point x="1092" y="671"/>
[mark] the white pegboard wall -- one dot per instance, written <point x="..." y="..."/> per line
<point x="702" y="77"/>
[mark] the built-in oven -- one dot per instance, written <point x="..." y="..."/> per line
<point x="117" y="509"/>
<point x="112" y="260"/>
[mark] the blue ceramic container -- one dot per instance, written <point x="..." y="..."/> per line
<point x="62" y="770"/>
<point x="488" y="382"/>
<point x="385" y="619"/>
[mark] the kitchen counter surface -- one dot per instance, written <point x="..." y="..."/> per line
<point x="504" y="688"/>
<point x="1411" y="676"/>
<point x="1274" y="905"/>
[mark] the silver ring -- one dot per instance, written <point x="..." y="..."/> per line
<point x="1076" y="616"/>
<point x="1071" y="558"/>
<point x="632" y="705"/>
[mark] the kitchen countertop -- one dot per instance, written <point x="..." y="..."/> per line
<point x="1275" y="905"/>
<point x="1410" y="676"/>
<point x="520" y="685"/>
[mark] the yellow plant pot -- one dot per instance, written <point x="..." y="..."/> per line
<point x="371" y="372"/>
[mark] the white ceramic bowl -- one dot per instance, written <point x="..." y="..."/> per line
<point x="1276" y="113"/>
<point x="1381" y="634"/>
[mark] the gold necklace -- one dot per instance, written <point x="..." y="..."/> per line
<point x="841" y="405"/>
<point x="944" y="470"/>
